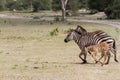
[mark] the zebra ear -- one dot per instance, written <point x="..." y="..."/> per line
<point x="80" y="29"/>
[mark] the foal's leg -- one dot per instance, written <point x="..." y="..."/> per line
<point x="94" y="56"/>
<point x="100" y="57"/>
<point x="105" y="56"/>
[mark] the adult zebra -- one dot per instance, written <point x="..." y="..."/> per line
<point x="84" y="39"/>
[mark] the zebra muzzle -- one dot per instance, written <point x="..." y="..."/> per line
<point x="65" y="41"/>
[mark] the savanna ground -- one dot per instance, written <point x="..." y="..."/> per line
<point x="29" y="52"/>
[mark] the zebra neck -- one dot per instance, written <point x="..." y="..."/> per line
<point x="76" y="39"/>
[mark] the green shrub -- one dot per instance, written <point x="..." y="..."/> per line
<point x="113" y="11"/>
<point x="54" y="32"/>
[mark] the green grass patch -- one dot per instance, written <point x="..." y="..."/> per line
<point x="54" y="32"/>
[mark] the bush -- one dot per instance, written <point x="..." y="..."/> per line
<point x="54" y="32"/>
<point x="99" y="5"/>
<point x="56" y="5"/>
<point x="73" y="6"/>
<point x="113" y="12"/>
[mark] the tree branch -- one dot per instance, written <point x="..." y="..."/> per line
<point x="66" y="2"/>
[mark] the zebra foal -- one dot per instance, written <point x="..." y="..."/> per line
<point x="102" y="48"/>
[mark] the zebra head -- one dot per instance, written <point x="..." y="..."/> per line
<point x="70" y="36"/>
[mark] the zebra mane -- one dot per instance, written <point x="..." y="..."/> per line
<point x="80" y="29"/>
<point x="77" y="32"/>
<point x="71" y="30"/>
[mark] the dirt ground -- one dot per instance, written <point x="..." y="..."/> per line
<point x="30" y="53"/>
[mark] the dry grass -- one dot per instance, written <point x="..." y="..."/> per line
<point x="28" y="52"/>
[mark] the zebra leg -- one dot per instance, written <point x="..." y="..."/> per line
<point x="85" y="55"/>
<point x="115" y="57"/>
<point x="83" y="59"/>
<point x="109" y="55"/>
<point x="114" y="52"/>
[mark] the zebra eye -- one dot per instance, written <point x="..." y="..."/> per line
<point x="78" y="32"/>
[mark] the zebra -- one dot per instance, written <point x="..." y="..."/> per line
<point x="84" y="39"/>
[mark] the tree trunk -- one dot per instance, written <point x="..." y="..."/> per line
<point x="63" y="15"/>
<point x="63" y="7"/>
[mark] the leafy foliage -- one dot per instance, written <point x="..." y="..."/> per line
<point x="110" y="7"/>
<point x="56" y="5"/>
<point x="28" y="4"/>
<point x="54" y="32"/>
<point x="73" y="5"/>
<point x="41" y="5"/>
<point x="113" y="10"/>
<point x="2" y="4"/>
<point x="99" y="5"/>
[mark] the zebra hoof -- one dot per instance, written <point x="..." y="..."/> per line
<point x="96" y="62"/>
<point x="116" y="60"/>
<point x="106" y="63"/>
<point x="84" y="62"/>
